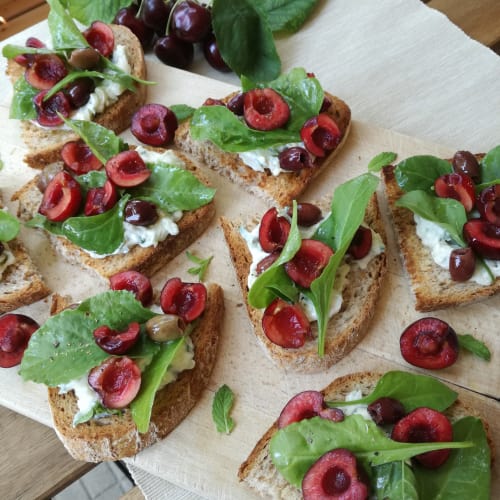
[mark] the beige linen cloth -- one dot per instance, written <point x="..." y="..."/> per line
<point x="400" y="65"/>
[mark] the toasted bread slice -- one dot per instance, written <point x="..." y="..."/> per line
<point x="280" y="189"/>
<point x="259" y="473"/>
<point x="146" y="260"/>
<point x="116" y="437"/>
<point x="345" y="329"/>
<point x="431" y="284"/>
<point x="45" y="144"/>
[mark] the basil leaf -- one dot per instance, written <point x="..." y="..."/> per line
<point x="221" y="407"/>
<point x="87" y="11"/>
<point x="490" y="166"/>
<point x="9" y="226"/>
<point x="380" y="161"/>
<point x="151" y="380"/>
<point x="411" y="390"/>
<point x="41" y="222"/>
<point x="65" y="33"/>
<point x="182" y="111"/>
<point x="22" y="107"/>
<point x="466" y="473"/>
<point x="286" y="15"/>
<point x="245" y="39"/>
<point x="64" y="349"/>
<point x="394" y="480"/>
<point x="446" y="212"/>
<point x="471" y="344"/>
<point x="420" y="172"/>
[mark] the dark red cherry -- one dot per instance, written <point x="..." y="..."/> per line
<point x="15" y="332"/>
<point x="325" y="105"/>
<point x="361" y="244"/>
<point x="187" y="300"/>
<point x="154" y="124"/>
<point x="154" y="14"/>
<point x="462" y="264"/>
<point x="273" y="231"/>
<point x="127" y="169"/>
<point x="308" y="214"/>
<point x="135" y="282"/>
<point x="320" y="135"/>
<point x="62" y="198"/>
<point x="265" y="109"/>
<point x="294" y="159"/>
<point x="235" y="104"/>
<point x="79" y="158"/>
<point x="100" y="36"/>
<point x="190" y="21"/>
<point x="460" y="187"/>
<point x="100" y="199"/>
<point x="483" y="237"/>
<point x="386" y="411"/>
<point x="174" y="52"/>
<point x="117" y="342"/>
<point x="79" y="92"/>
<point x="267" y="262"/>
<point x="45" y="71"/>
<point x="140" y="213"/>
<point x="464" y="162"/>
<point x="127" y="16"/>
<point x="488" y="204"/>
<point x="213" y="56"/>
<point x="27" y="59"/>
<point x="48" y="110"/>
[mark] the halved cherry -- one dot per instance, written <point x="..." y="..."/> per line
<point x="134" y="282"/>
<point x="61" y="198"/>
<point x="460" y="187"/>
<point x="48" y="110"/>
<point x="27" y="59"/>
<point x="79" y="158"/>
<point x="483" y="237"/>
<point x="117" y="381"/>
<point x="100" y="199"/>
<point x="361" y="243"/>
<point x="267" y="262"/>
<point x="187" y="300"/>
<point x="45" y="71"/>
<point x="488" y="204"/>
<point x="100" y="36"/>
<point x="273" y="231"/>
<point x="154" y="124"/>
<point x="286" y="324"/>
<point x="265" y="109"/>
<point x="308" y="263"/>
<point x="117" y="342"/>
<point x="425" y="425"/>
<point x="15" y="332"/>
<point x="127" y="169"/>
<point x="320" y="134"/>
<point x="386" y="411"/>
<point x="294" y="159"/>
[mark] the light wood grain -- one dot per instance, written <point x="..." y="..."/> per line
<point x="18" y="23"/>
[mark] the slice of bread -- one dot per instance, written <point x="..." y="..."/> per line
<point x="280" y="189"/>
<point x="431" y="284"/>
<point x="116" y="437"/>
<point x="345" y="329"/>
<point x="146" y="260"/>
<point x="44" y="144"/>
<point x="259" y="473"/>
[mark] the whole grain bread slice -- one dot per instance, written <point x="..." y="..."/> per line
<point x="259" y="473"/>
<point x="280" y="189"/>
<point x="145" y="260"/>
<point x="345" y="329"/>
<point x="431" y="284"/>
<point x="44" y="144"/>
<point x="116" y="437"/>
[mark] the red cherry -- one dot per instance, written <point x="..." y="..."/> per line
<point x="308" y="263"/>
<point x="320" y="134"/>
<point x="483" y="237"/>
<point x="187" y="300"/>
<point x="265" y="109"/>
<point x="286" y="324"/>
<point x="15" y="332"/>
<point x="45" y="71"/>
<point x="48" y="110"/>
<point x="488" y="204"/>
<point x="361" y="243"/>
<point x="190" y="21"/>
<point x="127" y="169"/>
<point x="308" y="214"/>
<point x="294" y="159"/>
<point x="100" y="36"/>
<point x="213" y="55"/>
<point x="117" y="381"/>
<point x="100" y="199"/>
<point x="134" y="282"/>
<point x="114" y="341"/>
<point x="273" y="231"/>
<point x="154" y="124"/>
<point x="236" y="103"/>
<point x="127" y="16"/>
<point x="78" y="157"/>
<point x="460" y="187"/>
<point x="27" y="59"/>
<point x="462" y="264"/>
<point x="61" y="198"/>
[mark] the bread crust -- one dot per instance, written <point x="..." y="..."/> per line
<point x="345" y="329"/>
<point x="280" y="189"/>
<point x="117" y="437"/>
<point x="45" y="144"/>
<point x="431" y="284"/>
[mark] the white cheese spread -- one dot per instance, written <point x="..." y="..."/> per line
<point x="357" y="409"/>
<point x="86" y="397"/>
<point x="6" y="258"/>
<point x="267" y="159"/>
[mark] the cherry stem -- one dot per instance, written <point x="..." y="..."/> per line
<point x="167" y="27"/>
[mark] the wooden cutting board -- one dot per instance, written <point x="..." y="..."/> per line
<point x="194" y="455"/>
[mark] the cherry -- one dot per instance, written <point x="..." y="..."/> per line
<point x="236" y="103"/>
<point x="127" y="16"/>
<point x="79" y="158"/>
<point x="154" y="124"/>
<point x="462" y="264"/>
<point x="134" y="282"/>
<point x="79" y="91"/>
<point x="117" y="380"/>
<point x="334" y="475"/>
<point x="48" y="110"/>
<point x="308" y="263"/>
<point x="190" y="22"/>
<point x="213" y="56"/>
<point x="308" y="214"/>
<point x="187" y="300"/>
<point x="100" y="36"/>
<point x="61" y="199"/>
<point x="114" y="341"/>
<point x="273" y="231"/>
<point x="27" y="59"/>
<point x="325" y="105"/>
<point x="429" y="343"/>
<point x="294" y="159"/>
<point x="140" y="213"/>
<point x="488" y="204"/>
<point x="425" y="425"/>
<point x="320" y="134"/>
<point x="265" y="109"/>
<point x="361" y="243"/>
<point x="127" y="169"/>
<point x="286" y="324"/>
<point x="457" y="186"/>
<point x="15" y="332"/>
<point x="174" y="52"/>
<point x="267" y="262"/>
<point x="45" y="71"/>
<point x="483" y="237"/>
<point x="464" y="162"/>
<point x="87" y="58"/>
<point x="386" y="411"/>
<point x="100" y="199"/>
<point x="154" y="14"/>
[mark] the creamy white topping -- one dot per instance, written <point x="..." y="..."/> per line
<point x="6" y="258"/>
<point x="86" y="397"/>
<point x="267" y="159"/>
<point x="358" y="409"/>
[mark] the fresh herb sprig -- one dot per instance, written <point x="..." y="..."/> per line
<point x="201" y="265"/>
<point x="221" y="407"/>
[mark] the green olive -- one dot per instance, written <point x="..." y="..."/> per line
<point x="164" y="327"/>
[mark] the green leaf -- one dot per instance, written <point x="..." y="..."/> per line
<point x="286" y="15"/>
<point x="182" y="111"/>
<point x="420" y="172"/>
<point x="21" y="106"/>
<point x="65" y="33"/>
<point x="92" y="179"/>
<point x="245" y="39"/>
<point x="446" y="212"/>
<point x="10" y="51"/>
<point x="490" y="166"/>
<point x="380" y="161"/>
<point x="9" y="226"/>
<point x="41" y="222"/>
<point x="394" y="480"/>
<point x="471" y="344"/>
<point x="151" y="380"/>
<point x="202" y="265"/>
<point x="221" y="408"/>
<point x="87" y="11"/>
<point x="413" y="391"/>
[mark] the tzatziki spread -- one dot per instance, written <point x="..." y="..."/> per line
<point x="261" y="160"/>
<point x="357" y="409"/>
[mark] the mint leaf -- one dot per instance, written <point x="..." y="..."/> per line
<point x="380" y="161"/>
<point x="9" y="226"/>
<point x="202" y="266"/>
<point x="221" y="407"/>
<point x="286" y="15"/>
<point x="471" y="344"/>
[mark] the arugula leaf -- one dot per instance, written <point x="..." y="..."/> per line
<point x="380" y="161"/>
<point x="286" y="15"/>
<point x="65" y="33"/>
<point x="420" y="172"/>
<point x="87" y="11"/>
<point x="9" y="226"/>
<point x="182" y="111"/>
<point x="92" y="179"/>
<point x="490" y="167"/>
<point x="202" y="266"/>
<point x="221" y="407"/>
<point x="394" y="480"/>
<point x="10" y="51"/>
<point x="21" y="106"/>
<point x="471" y="344"/>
